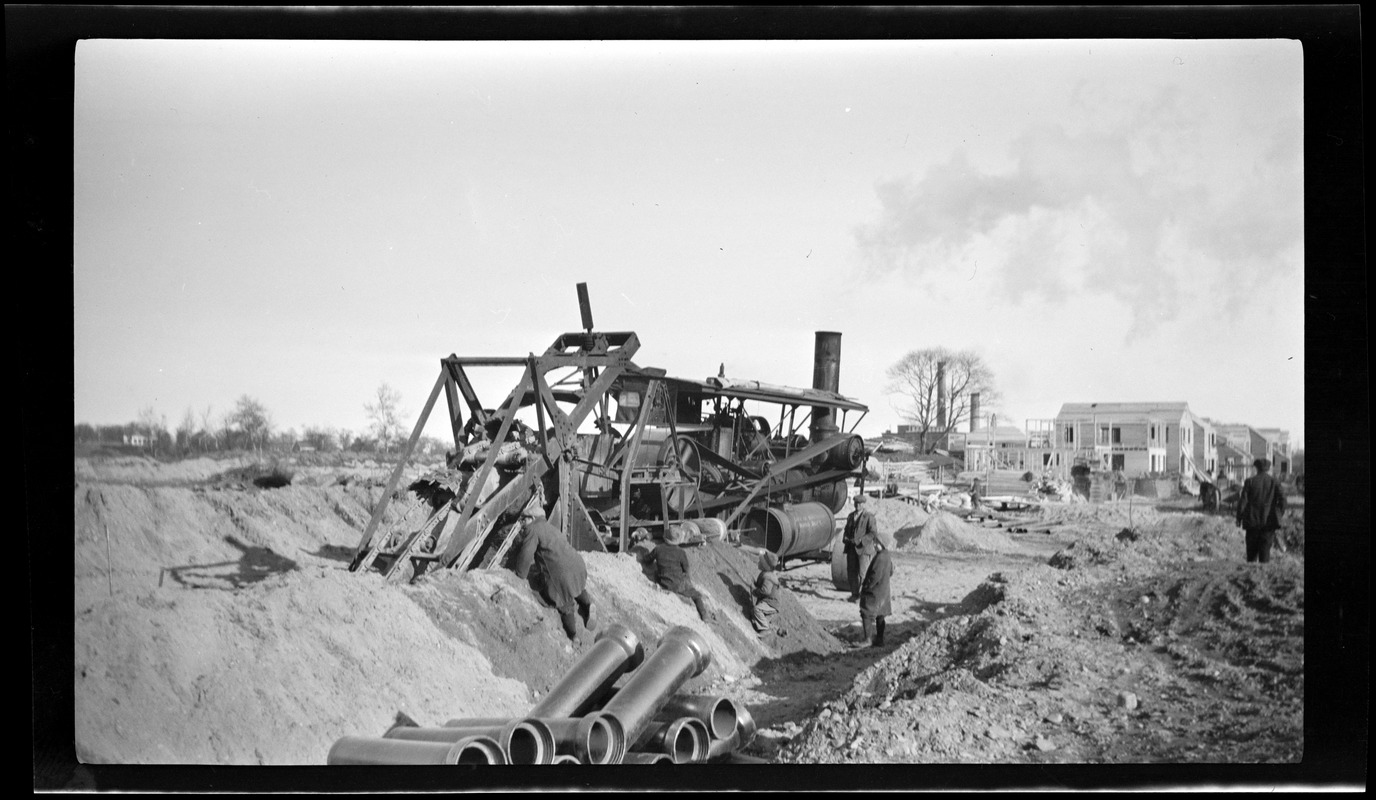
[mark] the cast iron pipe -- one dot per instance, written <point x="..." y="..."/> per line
<point x="566" y="759"/>
<point x="742" y="758"/>
<point x="615" y="651"/>
<point x="648" y="758"/>
<point x="681" y="655"/>
<point x="523" y="741"/>
<point x="719" y="713"/>
<point x="377" y="752"/>
<point x="684" y="738"/>
<point x="592" y="739"/>
<point x="745" y="725"/>
<point x="720" y="749"/>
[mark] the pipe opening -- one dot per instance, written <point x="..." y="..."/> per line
<point x="600" y="742"/>
<point x="701" y="739"/>
<point x="524" y="746"/>
<point x="684" y="747"/>
<point x="723" y="719"/>
<point x="479" y="751"/>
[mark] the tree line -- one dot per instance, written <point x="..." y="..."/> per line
<point x="249" y="425"/>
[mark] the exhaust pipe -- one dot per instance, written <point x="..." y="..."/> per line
<point x="826" y="375"/>
<point x="681" y="655"/>
<point x="523" y="741"/>
<point x="615" y="651"/>
<point x="684" y="738"/>
<point x="718" y="713"/>
<point x="593" y="739"/>
<point x="363" y="750"/>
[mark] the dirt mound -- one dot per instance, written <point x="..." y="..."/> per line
<point x="1174" y="666"/>
<point x="147" y="471"/>
<point x="946" y="533"/>
<point x="221" y="626"/>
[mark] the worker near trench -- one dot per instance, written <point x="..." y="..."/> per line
<point x="555" y="570"/>
<point x="671" y="569"/>
<point x="875" y="604"/>
<point x="1260" y="505"/>
<point x="764" y="596"/>
<point x="860" y="541"/>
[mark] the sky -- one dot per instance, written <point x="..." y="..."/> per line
<point x="1100" y="220"/>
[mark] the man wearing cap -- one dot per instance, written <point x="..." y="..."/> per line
<point x="860" y="540"/>
<point x="671" y="569"/>
<point x="1260" y="505"/>
<point x="764" y="596"/>
<point x="558" y="574"/>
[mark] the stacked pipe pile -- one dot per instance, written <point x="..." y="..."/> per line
<point x="587" y="718"/>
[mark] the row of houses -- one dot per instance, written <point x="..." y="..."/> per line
<point x="1140" y="439"/>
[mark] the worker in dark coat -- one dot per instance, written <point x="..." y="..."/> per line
<point x="764" y="597"/>
<point x="671" y="569"/>
<point x="874" y="597"/>
<point x="1260" y="505"/>
<point x="859" y="539"/>
<point x="556" y="571"/>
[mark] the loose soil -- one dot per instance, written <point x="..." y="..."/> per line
<point x="217" y="623"/>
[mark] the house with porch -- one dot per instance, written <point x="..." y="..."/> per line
<point x="1205" y="451"/>
<point x="1141" y="439"/>
<point x="1272" y="444"/>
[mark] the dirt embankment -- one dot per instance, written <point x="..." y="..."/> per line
<point x="216" y="623"/>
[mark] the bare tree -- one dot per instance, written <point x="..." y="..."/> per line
<point x="386" y="417"/>
<point x="186" y="430"/>
<point x="320" y="437"/>
<point x="914" y="378"/>
<point x="152" y="425"/>
<point x="207" y="427"/>
<point x="252" y="419"/>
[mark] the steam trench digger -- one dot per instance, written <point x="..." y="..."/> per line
<point x="615" y="447"/>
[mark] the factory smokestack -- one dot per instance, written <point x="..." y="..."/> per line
<point x="941" y="395"/>
<point x="826" y="376"/>
<point x="974" y="411"/>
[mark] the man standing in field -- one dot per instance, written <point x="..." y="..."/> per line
<point x="1260" y="505"/>
<point x="874" y="598"/>
<point x="860" y="540"/>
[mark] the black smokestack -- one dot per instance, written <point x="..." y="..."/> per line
<point x="974" y="411"/>
<point x="826" y="375"/>
<point x="941" y="395"/>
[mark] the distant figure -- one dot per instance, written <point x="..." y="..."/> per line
<point x="671" y="570"/>
<point x="1208" y="495"/>
<point x="1120" y="484"/>
<point x="1260" y="505"/>
<point x="556" y="571"/>
<point x="874" y="598"/>
<point x="977" y="494"/>
<point x="764" y="597"/>
<point x="860" y="540"/>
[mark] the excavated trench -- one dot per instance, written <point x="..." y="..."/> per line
<point x="217" y="623"/>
